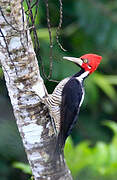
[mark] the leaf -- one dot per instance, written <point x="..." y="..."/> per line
<point x="113" y="145"/>
<point x="100" y="159"/>
<point x="112" y="79"/>
<point x="112" y="125"/>
<point x="43" y="33"/>
<point x="92" y="93"/>
<point x="69" y="146"/>
<point x="104" y="84"/>
<point x="1" y="72"/>
<point x="100" y="154"/>
<point x="22" y="166"/>
<point x="77" y="157"/>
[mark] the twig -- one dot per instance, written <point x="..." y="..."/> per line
<point x="59" y="26"/>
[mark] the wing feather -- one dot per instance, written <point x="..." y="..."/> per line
<point x="71" y="98"/>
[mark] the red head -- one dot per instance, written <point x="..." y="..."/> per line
<point x="89" y="62"/>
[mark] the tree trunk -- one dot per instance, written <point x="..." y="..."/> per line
<point x="22" y="76"/>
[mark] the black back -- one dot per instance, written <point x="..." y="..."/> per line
<point x="71" y="98"/>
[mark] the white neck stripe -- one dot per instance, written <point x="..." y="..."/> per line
<point x="82" y="76"/>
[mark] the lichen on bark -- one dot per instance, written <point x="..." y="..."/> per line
<point x="21" y="71"/>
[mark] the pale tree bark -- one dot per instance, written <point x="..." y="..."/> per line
<point x="23" y="78"/>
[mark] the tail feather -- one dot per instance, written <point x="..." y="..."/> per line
<point x="59" y="147"/>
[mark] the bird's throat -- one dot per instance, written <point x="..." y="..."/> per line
<point x="81" y="75"/>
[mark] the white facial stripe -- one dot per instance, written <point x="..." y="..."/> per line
<point x="75" y="60"/>
<point x="82" y="76"/>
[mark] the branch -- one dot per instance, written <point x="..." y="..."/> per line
<point x="24" y="82"/>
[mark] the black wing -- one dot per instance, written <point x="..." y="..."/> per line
<point x="71" y="98"/>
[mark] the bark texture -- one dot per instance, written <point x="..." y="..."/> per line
<point x="23" y="79"/>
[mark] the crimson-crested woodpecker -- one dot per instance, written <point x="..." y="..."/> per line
<point x="65" y="101"/>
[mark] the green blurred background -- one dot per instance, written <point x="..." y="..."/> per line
<point x="89" y="26"/>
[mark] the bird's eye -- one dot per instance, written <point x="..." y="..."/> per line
<point x="85" y="60"/>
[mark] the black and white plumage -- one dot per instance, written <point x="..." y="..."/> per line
<point x="72" y="98"/>
<point x="65" y="101"/>
<point x="54" y="103"/>
<point x="64" y="104"/>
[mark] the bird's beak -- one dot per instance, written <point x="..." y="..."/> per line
<point x="75" y="60"/>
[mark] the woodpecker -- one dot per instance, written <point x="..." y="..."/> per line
<point x="65" y="101"/>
